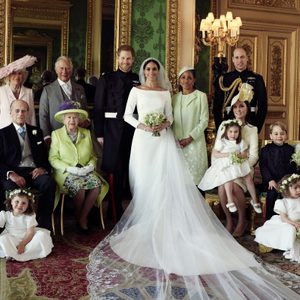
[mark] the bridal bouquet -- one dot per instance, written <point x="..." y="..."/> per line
<point x="235" y="159"/>
<point x="154" y="119"/>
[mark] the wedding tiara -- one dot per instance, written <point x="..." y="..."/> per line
<point x="286" y="183"/>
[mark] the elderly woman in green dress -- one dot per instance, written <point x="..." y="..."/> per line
<point x="73" y="160"/>
<point x="190" y="111"/>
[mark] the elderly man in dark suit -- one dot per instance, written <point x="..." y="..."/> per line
<point x="112" y="132"/>
<point x="24" y="161"/>
<point x="62" y="89"/>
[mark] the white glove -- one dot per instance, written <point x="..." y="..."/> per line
<point x="85" y="170"/>
<point x="88" y="169"/>
<point x="81" y="172"/>
<point x="72" y="170"/>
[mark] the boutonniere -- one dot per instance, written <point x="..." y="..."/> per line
<point x="34" y="132"/>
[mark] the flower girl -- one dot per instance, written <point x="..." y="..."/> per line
<point x="283" y="231"/>
<point x="229" y="162"/>
<point x="21" y="240"/>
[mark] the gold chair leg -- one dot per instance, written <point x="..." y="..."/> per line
<point x="252" y="221"/>
<point x="62" y="214"/>
<point x="53" y="223"/>
<point x="101" y="216"/>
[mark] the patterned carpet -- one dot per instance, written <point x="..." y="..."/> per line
<point x="62" y="275"/>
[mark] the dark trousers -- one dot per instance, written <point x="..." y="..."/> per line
<point x="272" y="196"/>
<point x="45" y="186"/>
<point x="120" y="186"/>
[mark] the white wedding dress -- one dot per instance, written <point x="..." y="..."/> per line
<point x="169" y="244"/>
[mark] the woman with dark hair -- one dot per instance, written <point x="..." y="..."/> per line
<point x="240" y="106"/>
<point x="190" y="112"/>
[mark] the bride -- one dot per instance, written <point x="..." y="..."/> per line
<point x="169" y="244"/>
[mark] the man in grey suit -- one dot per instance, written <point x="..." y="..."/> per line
<point x="62" y="89"/>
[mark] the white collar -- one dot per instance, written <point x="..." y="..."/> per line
<point x="18" y="126"/>
<point x="62" y="82"/>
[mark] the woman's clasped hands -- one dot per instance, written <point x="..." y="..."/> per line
<point x="160" y="127"/>
<point x="80" y="171"/>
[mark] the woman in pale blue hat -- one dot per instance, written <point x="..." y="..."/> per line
<point x="190" y="111"/>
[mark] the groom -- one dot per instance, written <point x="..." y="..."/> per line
<point x="112" y="132"/>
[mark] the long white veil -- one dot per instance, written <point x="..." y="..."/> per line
<point x="179" y="250"/>
<point x="169" y="244"/>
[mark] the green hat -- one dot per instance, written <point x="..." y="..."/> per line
<point x="69" y="107"/>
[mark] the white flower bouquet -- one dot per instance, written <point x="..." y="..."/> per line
<point x="296" y="158"/>
<point x="236" y="159"/>
<point x="154" y="119"/>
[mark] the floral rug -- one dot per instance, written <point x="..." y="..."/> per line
<point x="62" y="275"/>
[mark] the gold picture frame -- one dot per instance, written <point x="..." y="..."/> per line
<point x="32" y="14"/>
<point x="32" y="39"/>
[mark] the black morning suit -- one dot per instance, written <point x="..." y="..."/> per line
<point x="10" y="158"/>
<point x="111" y="96"/>
<point x="88" y="89"/>
<point x="258" y="103"/>
<point x="275" y="162"/>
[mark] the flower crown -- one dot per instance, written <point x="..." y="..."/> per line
<point x="231" y="122"/>
<point x="286" y="183"/>
<point x="27" y="192"/>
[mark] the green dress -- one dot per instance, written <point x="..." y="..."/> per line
<point x="191" y="119"/>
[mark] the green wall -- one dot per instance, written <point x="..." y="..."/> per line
<point x="148" y="36"/>
<point x="203" y="7"/>
<point x="77" y="32"/>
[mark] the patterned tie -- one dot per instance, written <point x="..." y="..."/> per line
<point x="22" y="131"/>
<point x="67" y="89"/>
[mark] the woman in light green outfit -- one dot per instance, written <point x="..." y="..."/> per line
<point x="73" y="160"/>
<point x="190" y="110"/>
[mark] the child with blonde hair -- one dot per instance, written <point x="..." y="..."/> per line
<point x="21" y="239"/>
<point x="282" y="231"/>
<point x="275" y="161"/>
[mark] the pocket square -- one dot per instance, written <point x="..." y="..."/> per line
<point x="39" y="142"/>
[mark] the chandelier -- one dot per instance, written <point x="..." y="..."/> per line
<point x="225" y="30"/>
